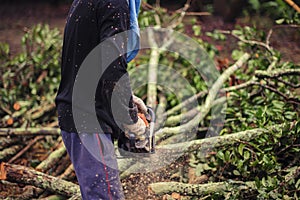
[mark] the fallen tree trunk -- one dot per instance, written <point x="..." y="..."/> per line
<point x="25" y="175"/>
<point x="200" y="189"/>
<point x="226" y="139"/>
<point x="29" y="131"/>
<point x="166" y="153"/>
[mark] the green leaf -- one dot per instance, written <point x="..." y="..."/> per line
<point x="241" y="149"/>
<point x="297" y="185"/>
<point x="263" y="181"/>
<point x="246" y="155"/>
<point x="236" y="54"/>
<point x="255" y="4"/>
<point x="220" y="155"/>
<point x="237" y="32"/>
<point x="236" y="172"/>
<point x="197" y="30"/>
<point x="280" y="21"/>
<point x="227" y="156"/>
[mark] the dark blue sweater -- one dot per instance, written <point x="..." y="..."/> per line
<point x="88" y="24"/>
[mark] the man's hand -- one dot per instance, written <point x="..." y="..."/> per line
<point x="140" y="104"/>
<point x="139" y="129"/>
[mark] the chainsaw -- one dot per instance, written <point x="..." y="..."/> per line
<point x="133" y="145"/>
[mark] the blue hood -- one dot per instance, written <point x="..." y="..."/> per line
<point x="134" y="35"/>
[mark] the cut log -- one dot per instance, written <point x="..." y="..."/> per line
<point x="27" y="176"/>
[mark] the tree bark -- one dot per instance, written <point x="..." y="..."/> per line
<point x="218" y="141"/>
<point x="52" y="159"/>
<point x="17" y="192"/>
<point x="67" y="173"/>
<point x="7" y="141"/>
<point x="29" y="131"/>
<point x="25" y="175"/>
<point x="10" y="151"/>
<point x="200" y="189"/>
<point x="185" y="103"/>
<point x="277" y="73"/>
<point x="152" y="74"/>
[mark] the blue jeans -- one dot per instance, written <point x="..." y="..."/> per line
<point x="95" y="165"/>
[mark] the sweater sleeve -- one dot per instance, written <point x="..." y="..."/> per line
<point x="113" y="20"/>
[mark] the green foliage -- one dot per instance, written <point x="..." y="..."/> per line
<point x="276" y="9"/>
<point x="30" y="78"/>
<point x="267" y="160"/>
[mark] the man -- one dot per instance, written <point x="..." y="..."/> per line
<point x="89" y="23"/>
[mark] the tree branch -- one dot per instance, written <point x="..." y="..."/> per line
<point x="277" y="73"/>
<point x="215" y="89"/>
<point x="29" y="131"/>
<point x="200" y="189"/>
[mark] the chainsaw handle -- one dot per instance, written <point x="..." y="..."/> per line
<point x="152" y="135"/>
<point x="151" y="114"/>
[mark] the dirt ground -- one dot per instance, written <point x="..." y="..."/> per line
<point x="15" y="17"/>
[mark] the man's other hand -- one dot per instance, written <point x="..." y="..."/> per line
<point x="140" y="104"/>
